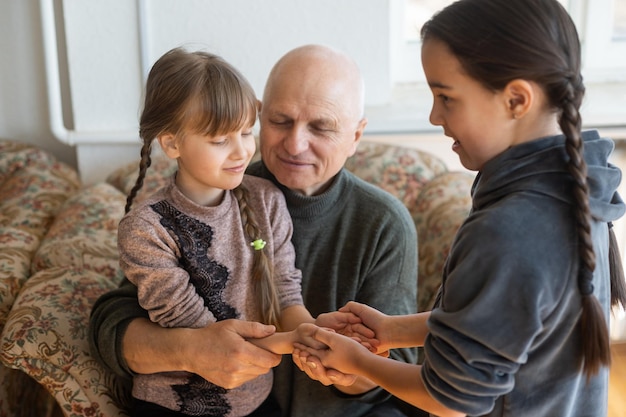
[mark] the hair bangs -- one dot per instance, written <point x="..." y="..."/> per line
<point x="225" y="103"/>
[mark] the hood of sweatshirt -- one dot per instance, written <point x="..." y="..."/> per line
<point x="541" y="166"/>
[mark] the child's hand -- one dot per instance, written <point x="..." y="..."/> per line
<point x="312" y="366"/>
<point x="341" y="354"/>
<point x="349" y="324"/>
<point x="374" y="321"/>
<point x="305" y="336"/>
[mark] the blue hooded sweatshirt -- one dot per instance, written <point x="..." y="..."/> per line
<point x="504" y="337"/>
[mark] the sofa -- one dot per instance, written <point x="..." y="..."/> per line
<point x="58" y="254"/>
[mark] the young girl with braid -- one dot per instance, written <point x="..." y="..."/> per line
<point x="520" y="327"/>
<point x="214" y="244"/>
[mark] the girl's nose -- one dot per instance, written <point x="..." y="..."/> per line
<point x="240" y="150"/>
<point x="435" y="117"/>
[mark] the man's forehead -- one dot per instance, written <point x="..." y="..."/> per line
<point x="310" y="108"/>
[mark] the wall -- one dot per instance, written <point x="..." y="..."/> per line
<point x="107" y="47"/>
<point x="100" y="40"/>
<point x="23" y="105"/>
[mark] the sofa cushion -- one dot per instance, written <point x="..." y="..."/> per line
<point x="442" y="206"/>
<point x="45" y="337"/>
<point x="398" y="170"/>
<point x="84" y="233"/>
<point x="33" y="187"/>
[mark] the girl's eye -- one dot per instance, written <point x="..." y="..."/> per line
<point x="444" y="98"/>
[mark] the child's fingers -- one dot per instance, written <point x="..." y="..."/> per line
<point x="363" y="330"/>
<point x="365" y="344"/>
<point x="352" y="307"/>
<point x="324" y="336"/>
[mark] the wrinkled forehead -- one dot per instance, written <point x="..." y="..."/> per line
<point x="312" y="98"/>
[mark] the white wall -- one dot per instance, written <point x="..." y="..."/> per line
<point x="23" y="106"/>
<point x="106" y="62"/>
<point x="100" y="40"/>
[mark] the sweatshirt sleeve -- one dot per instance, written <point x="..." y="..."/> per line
<point x="496" y="301"/>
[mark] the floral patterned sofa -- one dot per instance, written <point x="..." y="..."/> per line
<point x="58" y="255"/>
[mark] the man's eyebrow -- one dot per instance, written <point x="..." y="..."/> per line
<point x="324" y="122"/>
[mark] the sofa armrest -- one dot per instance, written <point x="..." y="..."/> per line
<point x="33" y="187"/>
<point x="45" y="337"/>
<point x="46" y="331"/>
<point x="84" y="233"/>
<point x="440" y="209"/>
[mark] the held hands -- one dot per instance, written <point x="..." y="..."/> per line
<point x="337" y="361"/>
<point x="220" y="355"/>
<point x="374" y="321"/>
<point x="345" y="324"/>
<point x="348" y="324"/>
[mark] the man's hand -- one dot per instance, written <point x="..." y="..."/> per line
<point x="218" y="352"/>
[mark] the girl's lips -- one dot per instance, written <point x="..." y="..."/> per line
<point x="238" y="168"/>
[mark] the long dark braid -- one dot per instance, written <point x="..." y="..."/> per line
<point x="596" y="349"/>
<point x="262" y="274"/>
<point x="618" y="283"/>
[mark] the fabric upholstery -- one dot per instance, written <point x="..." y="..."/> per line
<point x="58" y="254"/>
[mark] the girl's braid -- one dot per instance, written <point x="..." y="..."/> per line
<point x="596" y="349"/>
<point x="144" y="164"/>
<point x="262" y="274"/>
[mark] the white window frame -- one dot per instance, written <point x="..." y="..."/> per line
<point x="604" y="71"/>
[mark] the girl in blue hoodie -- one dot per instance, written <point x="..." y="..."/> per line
<point x="520" y="325"/>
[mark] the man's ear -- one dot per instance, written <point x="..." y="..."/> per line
<point x="358" y="134"/>
<point x="169" y="144"/>
<point x="520" y="97"/>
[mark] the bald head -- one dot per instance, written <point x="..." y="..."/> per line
<point x="323" y="69"/>
<point x="311" y="117"/>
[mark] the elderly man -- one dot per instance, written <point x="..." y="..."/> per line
<point x="352" y="240"/>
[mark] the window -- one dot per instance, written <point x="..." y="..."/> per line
<point x="619" y="20"/>
<point x="601" y="27"/>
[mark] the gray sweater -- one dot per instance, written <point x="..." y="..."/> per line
<point x="353" y="242"/>
<point x="504" y="340"/>
<point x="192" y="266"/>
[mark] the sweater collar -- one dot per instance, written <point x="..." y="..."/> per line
<point x="303" y="206"/>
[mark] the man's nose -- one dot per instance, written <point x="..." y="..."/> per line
<point x="297" y="140"/>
